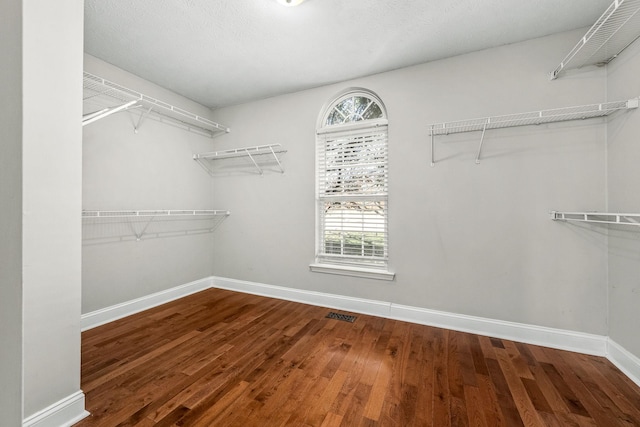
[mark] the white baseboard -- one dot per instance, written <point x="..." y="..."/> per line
<point x="598" y="345"/>
<point x="625" y="361"/>
<point x="538" y="335"/>
<point x="531" y="334"/>
<point x="358" y="305"/>
<point x="63" y="413"/>
<point x="118" y="311"/>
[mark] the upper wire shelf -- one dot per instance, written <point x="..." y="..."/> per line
<point x="613" y="32"/>
<point x="483" y="124"/>
<point x="255" y="154"/>
<point x="598" y="217"/>
<point x="115" y="97"/>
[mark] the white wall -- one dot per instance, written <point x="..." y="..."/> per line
<point x="623" y="174"/>
<point x="11" y="218"/>
<point x="150" y="169"/>
<point x="51" y="200"/>
<point x="464" y="238"/>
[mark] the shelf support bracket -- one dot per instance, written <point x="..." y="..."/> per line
<point x="90" y="118"/>
<point x="277" y="160"/>
<point x="433" y="161"/>
<point x="254" y="162"/>
<point x="142" y="117"/>
<point x="484" y="128"/>
<point x="140" y="233"/>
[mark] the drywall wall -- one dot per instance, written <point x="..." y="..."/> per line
<point x="464" y="238"/>
<point x="623" y="174"/>
<point x="51" y="200"/>
<point x="149" y="169"/>
<point x="11" y="218"/>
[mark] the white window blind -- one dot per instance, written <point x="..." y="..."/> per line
<point x="352" y="194"/>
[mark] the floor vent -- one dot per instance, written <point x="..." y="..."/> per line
<point x="343" y="317"/>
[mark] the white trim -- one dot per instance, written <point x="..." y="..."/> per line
<point x="63" y="413"/>
<point x="368" y="273"/>
<point x="358" y="305"/>
<point x="531" y="334"/>
<point x="598" y="345"/>
<point x="352" y="127"/>
<point x="118" y="311"/>
<point x="628" y="363"/>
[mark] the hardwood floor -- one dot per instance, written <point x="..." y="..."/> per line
<point x="220" y="358"/>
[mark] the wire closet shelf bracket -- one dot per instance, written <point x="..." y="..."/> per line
<point x="526" y="119"/>
<point x="613" y="32"/>
<point x="113" y="98"/>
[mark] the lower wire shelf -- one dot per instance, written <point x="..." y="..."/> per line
<point x="104" y="226"/>
<point x="154" y="213"/>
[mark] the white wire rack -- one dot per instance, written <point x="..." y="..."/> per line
<point x="483" y="124"/>
<point x="152" y="213"/>
<point x="121" y="225"/>
<point x="614" y="31"/>
<point x="598" y="217"/>
<point x="115" y="97"/>
<point x="258" y="155"/>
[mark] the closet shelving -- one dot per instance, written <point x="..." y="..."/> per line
<point x="614" y="31"/>
<point x="153" y="213"/>
<point x="526" y="119"/>
<point x="138" y="222"/>
<point x="258" y="156"/>
<point x="112" y="98"/>
<point x="598" y="217"/>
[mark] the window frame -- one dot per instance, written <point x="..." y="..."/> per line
<point x="370" y="267"/>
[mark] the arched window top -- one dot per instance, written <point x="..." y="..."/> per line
<point x="355" y="105"/>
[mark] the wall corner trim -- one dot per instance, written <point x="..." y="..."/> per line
<point x="628" y="363"/>
<point x="63" y="413"/>
<point x="109" y="314"/>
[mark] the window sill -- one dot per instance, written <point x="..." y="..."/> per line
<point x="368" y="273"/>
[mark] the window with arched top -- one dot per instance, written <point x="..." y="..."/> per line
<point x="351" y="183"/>
<point x="354" y="108"/>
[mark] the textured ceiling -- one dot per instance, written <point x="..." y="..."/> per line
<point x="223" y="52"/>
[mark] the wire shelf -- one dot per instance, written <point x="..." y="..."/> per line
<point x="258" y="155"/>
<point x="533" y="118"/>
<point x="242" y="152"/>
<point x="580" y="112"/>
<point x="152" y="213"/>
<point x="121" y="225"/>
<point x="613" y="32"/>
<point x="115" y="97"/>
<point x="598" y="217"/>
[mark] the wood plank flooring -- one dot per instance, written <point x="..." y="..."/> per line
<point x="220" y="358"/>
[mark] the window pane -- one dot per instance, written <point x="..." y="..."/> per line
<point x="335" y="118"/>
<point x="355" y="229"/>
<point x="354" y="109"/>
<point x="360" y="105"/>
<point x="355" y="164"/>
<point x="373" y="112"/>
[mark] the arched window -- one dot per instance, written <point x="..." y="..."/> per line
<point x="351" y="168"/>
